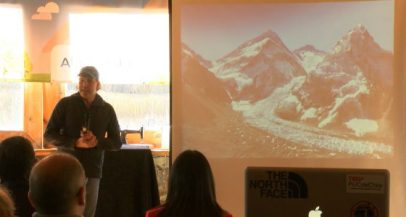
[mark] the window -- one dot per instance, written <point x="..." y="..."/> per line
<point x="12" y="109"/>
<point x="11" y="69"/>
<point x="125" y="48"/>
<point x="131" y="53"/>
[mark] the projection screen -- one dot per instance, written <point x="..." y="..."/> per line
<point x="289" y="83"/>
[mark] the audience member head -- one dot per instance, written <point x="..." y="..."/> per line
<point x="7" y="208"/>
<point x="57" y="185"/>
<point x="16" y="158"/>
<point x="191" y="190"/>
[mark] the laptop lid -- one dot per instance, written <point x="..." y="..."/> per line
<point x="316" y="192"/>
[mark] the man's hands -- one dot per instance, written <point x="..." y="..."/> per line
<point x="87" y="140"/>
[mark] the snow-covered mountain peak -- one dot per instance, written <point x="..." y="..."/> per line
<point x="358" y="33"/>
<point x="269" y="36"/>
<point x="360" y="28"/>
<point x="357" y="39"/>
<point x="254" y="46"/>
<point x="190" y="54"/>
<point x="258" y="66"/>
<point x="309" y="57"/>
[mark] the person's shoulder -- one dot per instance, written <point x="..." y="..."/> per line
<point x="153" y="212"/>
<point x="99" y="101"/>
<point x="70" y="98"/>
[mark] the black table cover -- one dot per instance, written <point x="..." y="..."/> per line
<point x="129" y="186"/>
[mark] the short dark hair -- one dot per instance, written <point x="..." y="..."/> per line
<point x="55" y="182"/>
<point x="191" y="190"/>
<point x="16" y="158"/>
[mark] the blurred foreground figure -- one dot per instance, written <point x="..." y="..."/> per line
<point x="7" y="208"/>
<point x="17" y="157"/>
<point x="191" y="190"/>
<point x="58" y="186"/>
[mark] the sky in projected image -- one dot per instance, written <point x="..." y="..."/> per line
<point x="215" y="30"/>
<point x="288" y="80"/>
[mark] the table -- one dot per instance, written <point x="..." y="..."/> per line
<point x="129" y="185"/>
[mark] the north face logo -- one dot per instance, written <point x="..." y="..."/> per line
<point x="280" y="184"/>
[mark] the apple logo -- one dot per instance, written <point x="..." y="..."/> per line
<point x="315" y="212"/>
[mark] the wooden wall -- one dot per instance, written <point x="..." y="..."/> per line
<point x="39" y="101"/>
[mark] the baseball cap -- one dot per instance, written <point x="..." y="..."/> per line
<point x="90" y="72"/>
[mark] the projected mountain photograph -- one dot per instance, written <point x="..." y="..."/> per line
<point x="288" y="80"/>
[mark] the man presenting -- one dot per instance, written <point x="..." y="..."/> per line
<point x="84" y="125"/>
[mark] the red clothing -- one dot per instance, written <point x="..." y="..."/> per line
<point x="154" y="212"/>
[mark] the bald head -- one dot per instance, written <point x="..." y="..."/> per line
<point x="57" y="185"/>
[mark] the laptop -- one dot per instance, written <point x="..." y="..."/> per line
<point x="316" y="192"/>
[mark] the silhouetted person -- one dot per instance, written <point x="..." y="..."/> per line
<point x="58" y="186"/>
<point x="191" y="190"/>
<point x="85" y="125"/>
<point x="17" y="157"/>
<point x="7" y="208"/>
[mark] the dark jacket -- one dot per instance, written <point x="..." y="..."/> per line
<point x="65" y="125"/>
